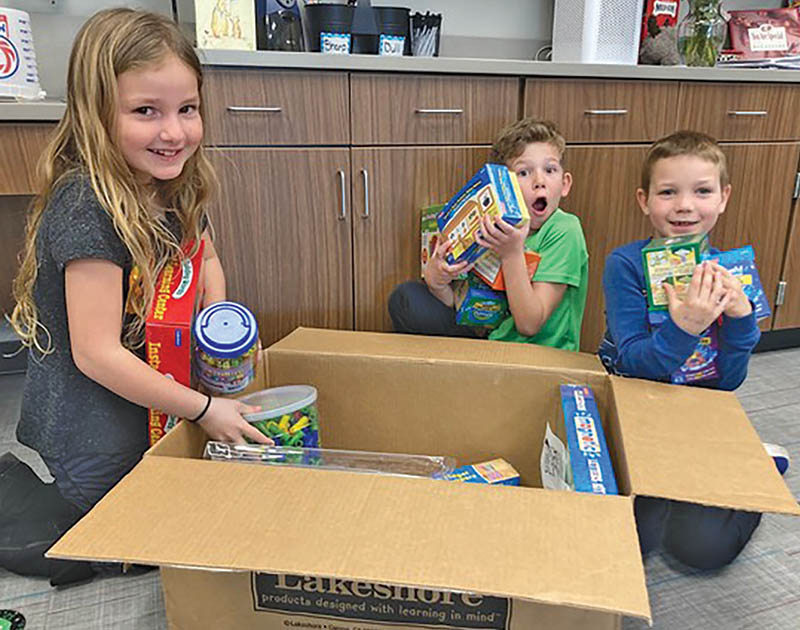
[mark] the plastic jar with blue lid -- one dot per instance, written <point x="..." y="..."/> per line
<point x="226" y="338"/>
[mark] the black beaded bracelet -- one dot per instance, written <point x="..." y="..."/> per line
<point x="202" y="413"/>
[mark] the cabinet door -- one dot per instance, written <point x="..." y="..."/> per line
<point x="603" y="196"/>
<point x="389" y="188"/>
<point x="787" y="315"/>
<point x="283" y="228"/>
<point x="762" y="176"/>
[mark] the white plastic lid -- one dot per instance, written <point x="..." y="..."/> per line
<point x="225" y="330"/>
<point x="277" y="401"/>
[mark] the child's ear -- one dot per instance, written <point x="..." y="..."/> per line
<point x="641" y="198"/>
<point x="566" y="183"/>
<point x="726" y="194"/>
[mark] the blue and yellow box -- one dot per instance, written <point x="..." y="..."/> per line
<point x="592" y="470"/>
<point x="741" y="262"/>
<point x="493" y="191"/>
<point x="497" y="472"/>
<point x="478" y="305"/>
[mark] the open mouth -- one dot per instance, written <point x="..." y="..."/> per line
<point x="540" y="205"/>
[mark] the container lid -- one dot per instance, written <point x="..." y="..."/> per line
<point x="225" y="330"/>
<point x="277" y="401"/>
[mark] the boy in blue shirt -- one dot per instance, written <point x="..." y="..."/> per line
<point x="684" y="190"/>
<point x="547" y="310"/>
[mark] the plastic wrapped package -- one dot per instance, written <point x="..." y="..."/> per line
<point x="434" y="467"/>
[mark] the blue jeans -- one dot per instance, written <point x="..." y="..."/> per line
<point x="699" y="536"/>
<point x="415" y="311"/>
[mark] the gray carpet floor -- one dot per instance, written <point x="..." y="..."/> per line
<point x="759" y="591"/>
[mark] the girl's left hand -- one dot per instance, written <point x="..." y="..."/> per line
<point x="739" y="304"/>
<point x="502" y="238"/>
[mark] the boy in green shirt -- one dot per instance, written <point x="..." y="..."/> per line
<point x="547" y="310"/>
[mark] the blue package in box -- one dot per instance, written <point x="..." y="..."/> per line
<point x="741" y="262"/>
<point x="590" y="461"/>
<point x="497" y="472"/>
<point x="493" y="190"/>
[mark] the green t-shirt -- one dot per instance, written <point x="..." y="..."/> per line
<point x="565" y="260"/>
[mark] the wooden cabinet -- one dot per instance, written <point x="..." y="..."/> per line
<point x="787" y="315"/>
<point x="390" y="185"/>
<point x="604" y="111"/>
<point x="257" y="107"/>
<point x="425" y="109"/>
<point x="603" y="196"/>
<point x="758" y="213"/>
<point x="740" y="111"/>
<point x="283" y="230"/>
<point x="21" y="144"/>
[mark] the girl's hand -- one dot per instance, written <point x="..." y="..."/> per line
<point x="502" y="238"/>
<point x="224" y="422"/>
<point x="706" y="299"/>
<point x="739" y="305"/>
<point x="438" y="272"/>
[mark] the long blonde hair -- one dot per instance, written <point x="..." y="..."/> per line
<point x="111" y="42"/>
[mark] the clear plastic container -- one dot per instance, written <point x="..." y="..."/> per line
<point x="288" y="415"/>
<point x="434" y="467"/>
<point x="226" y="338"/>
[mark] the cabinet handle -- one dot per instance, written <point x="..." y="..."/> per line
<point x="455" y="112"/>
<point x="605" y="112"/>
<point x="365" y="175"/>
<point x="237" y="109"/>
<point x="734" y="112"/>
<point x="343" y="213"/>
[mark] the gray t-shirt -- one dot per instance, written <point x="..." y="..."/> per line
<point x="65" y="413"/>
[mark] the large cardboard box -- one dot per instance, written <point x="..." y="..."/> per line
<point x="247" y="546"/>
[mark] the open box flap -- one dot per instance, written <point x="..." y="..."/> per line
<point x="697" y="445"/>
<point x="434" y="349"/>
<point x="558" y="548"/>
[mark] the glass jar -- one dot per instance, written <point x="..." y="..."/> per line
<point x="701" y="34"/>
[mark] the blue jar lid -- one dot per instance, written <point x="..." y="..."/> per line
<point x="225" y="330"/>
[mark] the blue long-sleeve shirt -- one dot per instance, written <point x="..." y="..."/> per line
<point x="631" y="348"/>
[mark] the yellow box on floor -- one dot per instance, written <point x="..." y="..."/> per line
<point x="247" y="547"/>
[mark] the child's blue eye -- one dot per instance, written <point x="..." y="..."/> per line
<point x="522" y="172"/>
<point x="145" y="110"/>
<point x="704" y="191"/>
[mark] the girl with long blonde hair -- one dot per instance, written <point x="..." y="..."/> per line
<point x="124" y="187"/>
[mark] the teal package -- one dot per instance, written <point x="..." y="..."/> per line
<point x="478" y="305"/>
<point x="592" y="470"/>
<point x="741" y="262"/>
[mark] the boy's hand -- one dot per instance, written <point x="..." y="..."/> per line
<point x="504" y="239"/>
<point x="438" y="272"/>
<point x="224" y="422"/>
<point x="739" y="305"/>
<point x="706" y="299"/>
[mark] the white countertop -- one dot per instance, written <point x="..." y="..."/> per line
<point x="464" y="65"/>
<point x="52" y="110"/>
<point x="41" y="111"/>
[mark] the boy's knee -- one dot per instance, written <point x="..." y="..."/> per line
<point x="707" y="538"/>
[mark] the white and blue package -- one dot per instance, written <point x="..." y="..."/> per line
<point x="590" y="461"/>
<point x="741" y="262"/>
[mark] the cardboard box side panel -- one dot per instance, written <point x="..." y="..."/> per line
<point x="616" y="444"/>
<point x="185" y="440"/>
<point x="459" y="409"/>
<point x="344" y="342"/>
<point x="697" y="445"/>
<point x="373" y="528"/>
<point x="199" y="599"/>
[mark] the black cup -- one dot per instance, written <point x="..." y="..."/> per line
<point x="327" y="18"/>
<point x="395" y="21"/>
